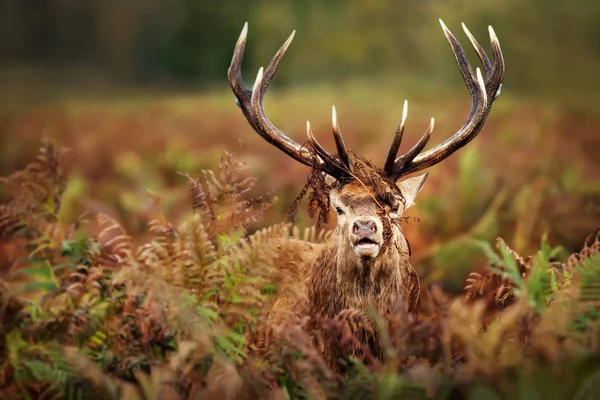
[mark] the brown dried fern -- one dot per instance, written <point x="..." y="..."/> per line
<point x="32" y="201"/>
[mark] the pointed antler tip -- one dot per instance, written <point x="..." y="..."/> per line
<point x="334" y="119"/>
<point x="479" y="76"/>
<point x="481" y="84"/>
<point x="492" y="34"/>
<point x="244" y="31"/>
<point x="404" y="113"/>
<point x="339" y="141"/>
<point x="447" y="32"/>
<point x="257" y="83"/>
<point x="289" y="40"/>
<point x="427" y="133"/>
<point x="467" y="32"/>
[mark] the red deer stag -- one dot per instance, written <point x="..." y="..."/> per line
<point x="366" y="262"/>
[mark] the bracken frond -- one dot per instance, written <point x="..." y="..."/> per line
<point x="192" y="311"/>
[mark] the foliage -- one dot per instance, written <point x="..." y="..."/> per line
<point x="190" y="40"/>
<point x="176" y="316"/>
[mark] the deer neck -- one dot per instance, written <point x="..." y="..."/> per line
<point x="340" y="281"/>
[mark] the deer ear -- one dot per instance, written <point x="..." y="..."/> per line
<point x="410" y="187"/>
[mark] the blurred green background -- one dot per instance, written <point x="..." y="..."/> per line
<point x="138" y="91"/>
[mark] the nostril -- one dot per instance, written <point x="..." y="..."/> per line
<point x="372" y="226"/>
<point x="368" y="227"/>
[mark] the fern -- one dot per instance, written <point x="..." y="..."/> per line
<point x="535" y="279"/>
<point x="37" y="365"/>
<point x="180" y="314"/>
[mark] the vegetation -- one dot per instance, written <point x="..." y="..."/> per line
<point x="104" y="45"/>
<point x="175" y="315"/>
<point x="123" y="147"/>
<point x="136" y="263"/>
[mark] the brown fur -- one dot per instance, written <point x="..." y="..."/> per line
<point x="333" y="278"/>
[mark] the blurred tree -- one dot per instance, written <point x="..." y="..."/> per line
<point x="197" y="46"/>
<point x="552" y="47"/>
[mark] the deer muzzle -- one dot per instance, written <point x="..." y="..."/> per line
<point x="366" y="238"/>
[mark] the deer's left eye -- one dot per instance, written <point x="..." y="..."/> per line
<point x="339" y="211"/>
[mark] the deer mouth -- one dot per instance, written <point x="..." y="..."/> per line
<point x="366" y="248"/>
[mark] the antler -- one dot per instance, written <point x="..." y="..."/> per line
<point x="250" y="101"/>
<point x="483" y="94"/>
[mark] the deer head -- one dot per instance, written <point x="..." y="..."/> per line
<point x="370" y="203"/>
<point x="368" y="219"/>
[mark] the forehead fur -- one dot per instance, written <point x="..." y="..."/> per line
<point x="355" y="188"/>
<point x="356" y="192"/>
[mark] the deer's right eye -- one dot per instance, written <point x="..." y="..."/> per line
<point x="339" y="211"/>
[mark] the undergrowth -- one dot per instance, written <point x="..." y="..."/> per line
<point x="101" y="317"/>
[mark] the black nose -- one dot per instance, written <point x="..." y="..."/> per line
<point x="364" y="228"/>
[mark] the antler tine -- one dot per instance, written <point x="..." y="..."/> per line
<point x="495" y="80"/>
<point x="494" y="73"/>
<point x="339" y="141"/>
<point x="413" y="152"/>
<point x="260" y="87"/>
<point x="464" y="67"/>
<point x="482" y="94"/>
<point x="234" y="73"/>
<point x="393" y="151"/>
<point x="487" y="64"/>
<point x="250" y="101"/>
<point x="313" y="141"/>
<point x="331" y="163"/>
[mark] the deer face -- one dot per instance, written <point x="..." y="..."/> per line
<point x="362" y="215"/>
